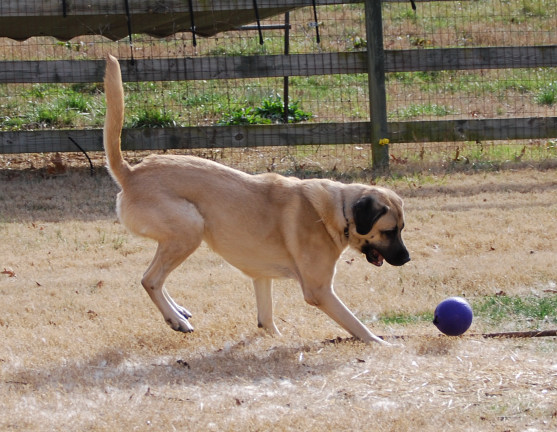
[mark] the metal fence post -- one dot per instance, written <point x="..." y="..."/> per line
<point x="376" y="82"/>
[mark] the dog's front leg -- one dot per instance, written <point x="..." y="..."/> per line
<point x="326" y="300"/>
<point x="264" y="297"/>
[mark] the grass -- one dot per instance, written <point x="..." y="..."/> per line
<point x="185" y="103"/>
<point x="527" y="311"/>
<point x="153" y="118"/>
<point x="405" y="319"/>
<point x="548" y="94"/>
<point x="83" y="348"/>
<point x="55" y="107"/>
<point x="270" y="111"/>
<point x="423" y="110"/>
<point x="496" y="311"/>
<point x="535" y="9"/>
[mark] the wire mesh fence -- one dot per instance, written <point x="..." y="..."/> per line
<point x="321" y="98"/>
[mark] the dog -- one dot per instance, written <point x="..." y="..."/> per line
<point x="266" y="225"/>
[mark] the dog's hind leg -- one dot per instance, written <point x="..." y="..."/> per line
<point x="182" y="310"/>
<point x="264" y="297"/>
<point x="170" y="254"/>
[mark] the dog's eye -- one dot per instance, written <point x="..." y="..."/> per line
<point x="390" y="233"/>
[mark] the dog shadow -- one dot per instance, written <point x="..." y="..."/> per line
<point x="130" y="372"/>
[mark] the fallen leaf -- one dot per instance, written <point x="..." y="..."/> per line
<point x="9" y="272"/>
<point x="183" y="363"/>
<point x="57" y="165"/>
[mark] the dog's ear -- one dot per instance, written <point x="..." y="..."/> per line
<point x="367" y="211"/>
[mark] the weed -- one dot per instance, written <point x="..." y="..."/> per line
<point x="243" y="116"/>
<point x="76" y="101"/>
<point x="359" y="43"/>
<point x="273" y="109"/>
<point x="548" y="94"/>
<point x="71" y="46"/>
<point x="270" y="111"/>
<point x="53" y="115"/>
<point x="12" y="123"/>
<point x="153" y="118"/>
<point x="118" y="242"/>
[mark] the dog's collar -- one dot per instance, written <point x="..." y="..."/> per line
<point x="347" y="227"/>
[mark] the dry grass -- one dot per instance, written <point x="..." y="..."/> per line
<point x="83" y="348"/>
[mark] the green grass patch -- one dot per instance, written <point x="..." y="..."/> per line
<point x="243" y="116"/>
<point x="494" y="311"/>
<point x="532" y="309"/>
<point x="52" y="106"/>
<point x="63" y="111"/>
<point x="406" y="319"/>
<point x="153" y="118"/>
<point x="421" y="110"/>
<point x="491" y="156"/>
<point x="271" y="110"/>
<point x="521" y="81"/>
<point x="534" y="8"/>
<point x="547" y="95"/>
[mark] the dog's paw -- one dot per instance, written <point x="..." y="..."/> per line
<point x="184" y="312"/>
<point x="271" y="329"/>
<point x="180" y="324"/>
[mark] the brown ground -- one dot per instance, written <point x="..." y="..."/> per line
<point x="83" y="348"/>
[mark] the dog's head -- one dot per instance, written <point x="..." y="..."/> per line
<point x="378" y="221"/>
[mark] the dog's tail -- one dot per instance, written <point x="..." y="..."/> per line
<point x="114" y="92"/>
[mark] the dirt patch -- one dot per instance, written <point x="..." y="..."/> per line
<point x="84" y="348"/>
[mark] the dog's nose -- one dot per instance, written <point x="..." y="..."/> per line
<point x="401" y="259"/>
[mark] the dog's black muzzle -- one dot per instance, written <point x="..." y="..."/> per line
<point x="399" y="257"/>
<point x="396" y="254"/>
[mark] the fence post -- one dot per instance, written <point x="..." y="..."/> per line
<point x="376" y="83"/>
<point x="285" y="95"/>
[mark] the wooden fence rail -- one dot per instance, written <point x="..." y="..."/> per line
<point x="197" y="137"/>
<point x="266" y="66"/>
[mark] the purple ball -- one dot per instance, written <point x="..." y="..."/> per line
<point x="453" y="316"/>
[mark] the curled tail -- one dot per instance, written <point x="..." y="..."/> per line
<point x="114" y="93"/>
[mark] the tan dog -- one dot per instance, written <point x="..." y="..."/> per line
<point x="267" y="226"/>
